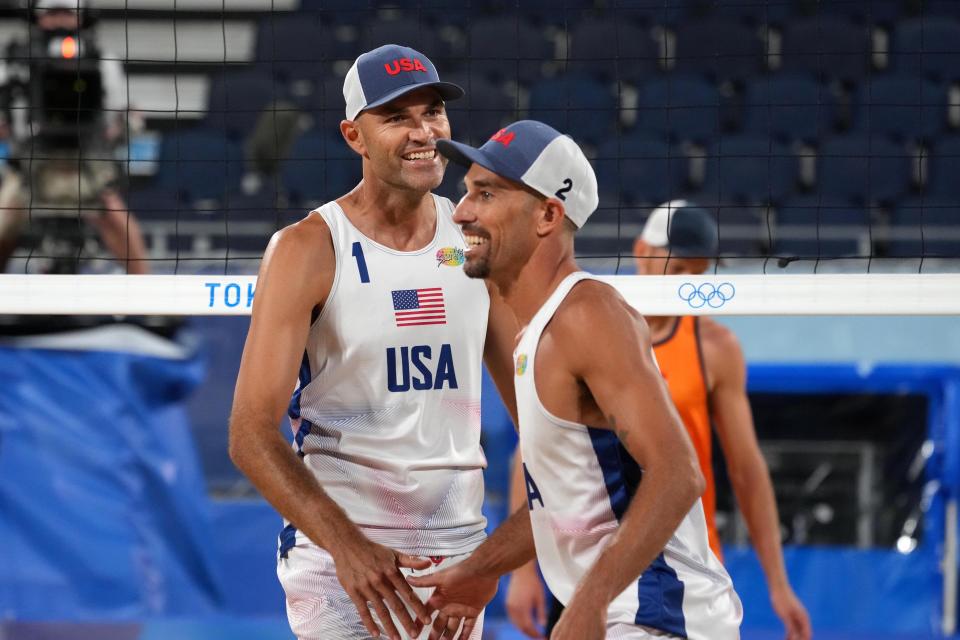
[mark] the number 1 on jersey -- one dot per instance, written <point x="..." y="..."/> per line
<point x="361" y="262"/>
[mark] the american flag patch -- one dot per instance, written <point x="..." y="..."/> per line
<point x="414" y="307"/>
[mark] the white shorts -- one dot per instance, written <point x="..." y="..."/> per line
<point x="621" y="631"/>
<point x="319" y="609"/>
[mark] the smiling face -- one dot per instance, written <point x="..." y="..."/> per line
<point x="399" y="140"/>
<point x="499" y="222"/>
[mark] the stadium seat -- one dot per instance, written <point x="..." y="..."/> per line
<point x="507" y="47"/>
<point x="928" y="227"/>
<point x="410" y="31"/>
<point x="944" y="167"/>
<point x="901" y="105"/>
<point x="199" y="164"/>
<point x="721" y="48"/>
<point x="640" y="169"/>
<point x="321" y="167"/>
<point x="828" y="47"/>
<point x="869" y="12"/>
<point x="747" y="168"/>
<point x="613" y="49"/>
<point x="684" y="107"/>
<point x="928" y="47"/>
<point x="746" y="12"/>
<point x="863" y="168"/>
<point x="237" y="99"/>
<point x="291" y="46"/>
<point x="660" y="12"/>
<point x="788" y="106"/>
<point x="932" y="8"/>
<point x="577" y="105"/>
<point x="484" y="109"/>
<point x="815" y="226"/>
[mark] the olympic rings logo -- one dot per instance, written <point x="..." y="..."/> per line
<point x="707" y="294"/>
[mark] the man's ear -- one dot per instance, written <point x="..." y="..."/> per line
<point x="640" y="248"/>
<point x="552" y="216"/>
<point x="351" y="133"/>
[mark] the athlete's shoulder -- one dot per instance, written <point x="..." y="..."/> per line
<point x="591" y="309"/>
<point x="718" y="338"/>
<point x="302" y="252"/>
<point x="722" y="355"/>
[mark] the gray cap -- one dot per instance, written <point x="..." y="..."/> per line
<point x="684" y="228"/>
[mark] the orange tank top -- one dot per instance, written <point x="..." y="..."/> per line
<point x="681" y="363"/>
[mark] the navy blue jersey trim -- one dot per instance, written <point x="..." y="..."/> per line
<point x="659" y="590"/>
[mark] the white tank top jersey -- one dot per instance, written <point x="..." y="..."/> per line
<point x="387" y="411"/>
<point x="580" y="481"/>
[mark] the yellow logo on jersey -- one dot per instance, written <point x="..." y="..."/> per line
<point x="521" y="364"/>
<point x="450" y="256"/>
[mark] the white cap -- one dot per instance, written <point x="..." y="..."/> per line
<point x="539" y="156"/>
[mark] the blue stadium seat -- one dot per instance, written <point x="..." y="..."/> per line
<point x="901" y="105"/>
<point x="661" y="12"/>
<point x="577" y="105"/>
<point x="292" y="45"/>
<point x="507" y="47"/>
<point x="199" y="164"/>
<point x="721" y="48"/>
<point x="928" y="47"/>
<point x="932" y="8"/>
<point x="870" y="11"/>
<point x="321" y="167"/>
<point x="928" y="227"/>
<point x="409" y="31"/>
<point x="484" y="109"/>
<point x="862" y="168"/>
<point x="237" y="99"/>
<point x="154" y="202"/>
<point x="747" y="168"/>
<point x="814" y="226"/>
<point x="944" y="166"/>
<point x="790" y="106"/>
<point x="828" y="47"/>
<point x="613" y="49"/>
<point x="640" y="169"/>
<point x="747" y="12"/>
<point x="684" y="107"/>
<point x="550" y="12"/>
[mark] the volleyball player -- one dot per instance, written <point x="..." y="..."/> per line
<point x="367" y="299"/>
<point x="630" y="559"/>
<point x="703" y="365"/>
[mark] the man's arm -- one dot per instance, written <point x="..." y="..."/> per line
<point x="620" y="373"/>
<point x="749" y="476"/>
<point x="526" y="602"/>
<point x="295" y="277"/>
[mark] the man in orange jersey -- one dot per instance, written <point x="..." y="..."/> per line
<point x="705" y="371"/>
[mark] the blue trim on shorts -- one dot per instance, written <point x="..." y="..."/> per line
<point x="288" y="539"/>
<point x="659" y="590"/>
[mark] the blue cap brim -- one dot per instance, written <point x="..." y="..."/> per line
<point x="447" y="91"/>
<point x="465" y="155"/>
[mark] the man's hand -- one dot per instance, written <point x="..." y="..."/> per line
<point x="792" y="613"/>
<point x="370" y="574"/>
<point x="526" y="602"/>
<point x="459" y="595"/>
<point x="581" y="622"/>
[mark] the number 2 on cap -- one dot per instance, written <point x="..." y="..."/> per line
<point x="562" y="193"/>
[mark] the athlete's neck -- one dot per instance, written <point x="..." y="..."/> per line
<point x="526" y="290"/>
<point x="401" y="219"/>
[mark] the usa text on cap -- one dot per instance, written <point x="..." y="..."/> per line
<point x="388" y="72"/>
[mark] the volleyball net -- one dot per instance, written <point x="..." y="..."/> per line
<point x="821" y="137"/>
